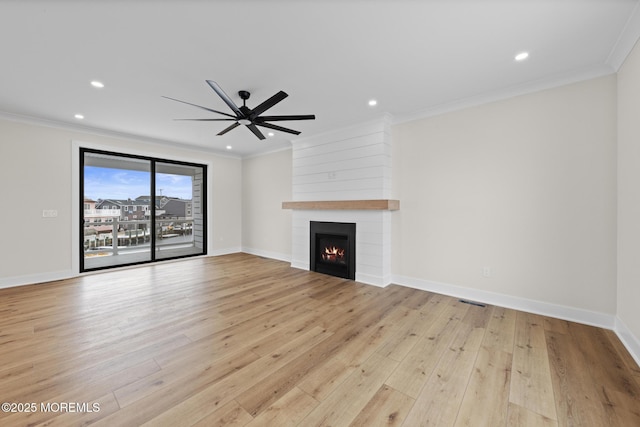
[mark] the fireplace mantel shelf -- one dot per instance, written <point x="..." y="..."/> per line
<point x="378" y="205"/>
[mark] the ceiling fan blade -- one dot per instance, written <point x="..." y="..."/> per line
<point x="233" y="126"/>
<point x="280" y="128"/>
<point x="256" y="131"/>
<point x="200" y="106"/>
<point x="268" y="103"/>
<point x="209" y="120"/>
<point x="285" y="118"/>
<point x="225" y="98"/>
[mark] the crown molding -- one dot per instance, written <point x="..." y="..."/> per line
<point x="574" y="76"/>
<point x="37" y="121"/>
<point x="628" y="38"/>
<point x="266" y="153"/>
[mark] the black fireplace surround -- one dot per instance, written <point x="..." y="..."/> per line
<point x="333" y="248"/>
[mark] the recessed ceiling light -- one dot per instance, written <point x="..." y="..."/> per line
<point x="97" y="84"/>
<point x="79" y="116"/>
<point x="522" y="56"/>
<point x="373" y="103"/>
<point x="271" y="134"/>
<point x="229" y="147"/>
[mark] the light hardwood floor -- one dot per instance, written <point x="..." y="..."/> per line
<point x="239" y="340"/>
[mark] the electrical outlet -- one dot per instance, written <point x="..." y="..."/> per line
<point x="49" y="213"/>
<point x="486" y="271"/>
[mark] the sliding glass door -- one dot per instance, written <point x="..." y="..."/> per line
<point x="179" y="220"/>
<point x="137" y="209"/>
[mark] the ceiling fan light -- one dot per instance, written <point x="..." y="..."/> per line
<point x="245" y="122"/>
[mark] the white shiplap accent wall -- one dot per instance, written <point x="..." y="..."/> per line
<point x="349" y="164"/>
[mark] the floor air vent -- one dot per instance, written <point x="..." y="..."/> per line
<point x="472" y="303"/>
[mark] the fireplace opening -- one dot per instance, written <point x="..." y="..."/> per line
<point x="332" y="248"/>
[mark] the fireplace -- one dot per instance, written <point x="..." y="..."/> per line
<point x="332" y="248"/>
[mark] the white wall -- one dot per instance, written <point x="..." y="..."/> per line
<point x="525" y="186"/>
<point x="266" y="227"/>
<point x="36" y="171"/>
<point x="629" y="200"/>
<point x="225" y="206"/>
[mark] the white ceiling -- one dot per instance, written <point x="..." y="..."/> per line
<point x="415" y="57"/>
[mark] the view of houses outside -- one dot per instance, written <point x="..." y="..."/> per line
<point x="117" y="214"/>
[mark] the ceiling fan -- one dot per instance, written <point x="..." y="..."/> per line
<point x="249" y="117"/>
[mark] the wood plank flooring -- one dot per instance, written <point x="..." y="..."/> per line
<point x="240" y="340"/>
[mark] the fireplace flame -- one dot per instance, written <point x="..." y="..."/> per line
<point x="333" y="253"/>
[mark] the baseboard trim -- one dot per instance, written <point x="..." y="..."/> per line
<point x="300" y="265"/>
<point x="367" y="279"/>
<point x="224" y="251"/>
<point x="267" y="254"/>
<point x="573" y="314"/>
<point x="370" y="279"/>
<point x="630" y="341"/>
<point x="32" y="279"/>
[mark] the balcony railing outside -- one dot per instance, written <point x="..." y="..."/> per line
<point x="135" y="235"/>
<point x="97" y="213"/>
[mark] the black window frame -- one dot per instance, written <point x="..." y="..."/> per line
<point x="152" y="207"/>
